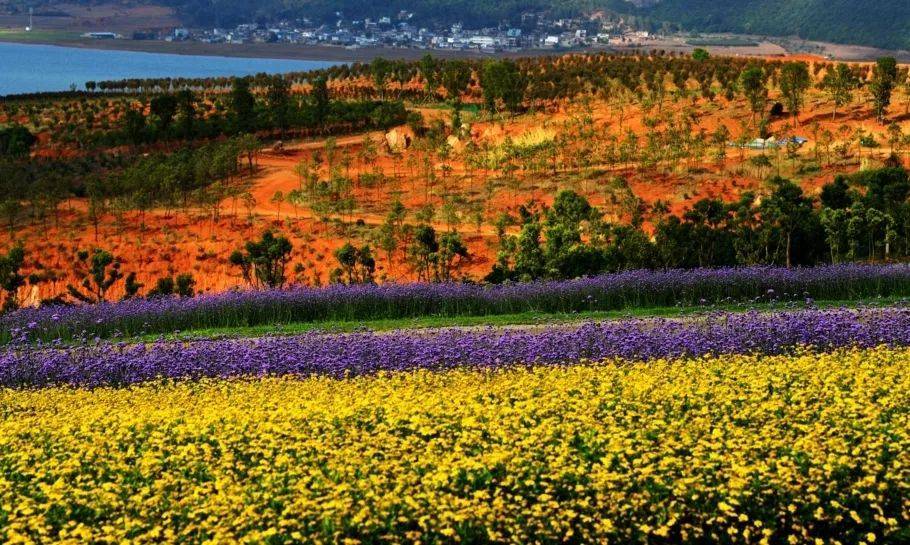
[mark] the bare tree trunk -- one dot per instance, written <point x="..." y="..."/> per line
<point x="789" y="241"/>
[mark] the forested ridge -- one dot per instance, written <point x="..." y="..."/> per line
<point x="880" y="23"/>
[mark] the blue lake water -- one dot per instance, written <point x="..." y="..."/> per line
<point x="28" y="68"/>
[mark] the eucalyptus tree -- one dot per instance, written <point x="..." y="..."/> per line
<point x="838" y="84"/>
<point x="752" y="81"/>
<point x="882" y="84"/>
<point x="794" y="82"/>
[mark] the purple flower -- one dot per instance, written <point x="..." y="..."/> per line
<point x="340" y="355"/>
<point x="629" y="289"/>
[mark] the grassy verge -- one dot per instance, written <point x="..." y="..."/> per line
<point x="528" y="319"/>
<point x="37" y="36"/>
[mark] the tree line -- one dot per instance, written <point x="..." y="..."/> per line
<point x="183" y="116"/>
<point x="368" y="95"/>
<point x="248" y="105"/>
<point x="859" y="217"/>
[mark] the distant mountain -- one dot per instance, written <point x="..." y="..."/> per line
<point x="879" y="23"/>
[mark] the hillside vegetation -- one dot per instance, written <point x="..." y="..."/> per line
<point x="550" y="167"/>
<point x="884" y="23"/>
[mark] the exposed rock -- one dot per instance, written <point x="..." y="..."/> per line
<point x="397" y="140"/>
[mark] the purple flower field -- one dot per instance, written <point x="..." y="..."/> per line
<point x="632" y="289"/>
<point x="339" y="355"/>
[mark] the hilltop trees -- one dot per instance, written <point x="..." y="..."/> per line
<point x="503" y="84"/>
<point x="480" y="175"/>
<point x="278" y="102"/>
<point x="429" y="71"/>
<point x="243" y="105"/>
<point x="456" y="75"/>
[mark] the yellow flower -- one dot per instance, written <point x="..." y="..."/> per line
<point x="595" y="453"/>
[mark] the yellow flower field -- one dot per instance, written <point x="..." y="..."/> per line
<point x="806" y="449"/>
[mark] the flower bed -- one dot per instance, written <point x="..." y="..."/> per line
<point x="633" y="289"/>
<point x="339" y="355"/>
<point x="795" y="449"/>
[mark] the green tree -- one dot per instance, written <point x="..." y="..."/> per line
<point x="16" y="141"/>
<point x="278" y="100"/>
<point x="530" y="261"/>
<point x="836" y="195"/>
<point x="451" y="250"/>
<point x="134" y="126"/>
<point x="277" y="199"/>
<point x="131" y="286"/>
<point x="787" y="209"/>
<point x="263" y="262"/>
<point x="794" y="81"/>
<point x="249" y="146"/>
<point x="834" y="221"/>
<point x="356" y="265"/>
<point x="321" y="98"/>
<point x="839" y="83"/>
<point x="164" y="287"/>
<point x="100" y="271"/>
<point x="752" y="83"/>
<point x="10" y="278"/>
<point x="164" y="107"/>
<point x="502" y="81"/>
<point x="243" y="105"/>
<point x="456" y="75"/>
<point x="884" y="79"/>
<point x="429" y="67"/>
<point x="186" y="107"/>
<point x="381" y="70"/>
<point x="423" y="251"/>
<point x="185" y="285"/>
